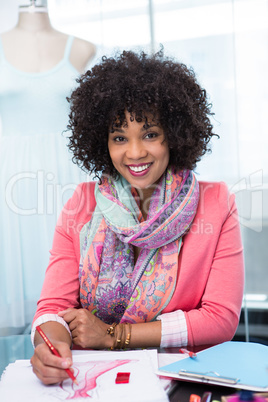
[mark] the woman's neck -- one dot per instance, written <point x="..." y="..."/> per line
<point x="145" y="198"/>
<point x="33" y="22"/>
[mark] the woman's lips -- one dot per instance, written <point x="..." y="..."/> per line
<point x="139" y="170"/>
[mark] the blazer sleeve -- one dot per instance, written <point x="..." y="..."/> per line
<point x="210" y="281"/>
<point x="215" y="318"/>
<point x="61" y="284"/>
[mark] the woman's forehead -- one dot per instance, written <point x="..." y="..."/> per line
<point x="124" y="119"/>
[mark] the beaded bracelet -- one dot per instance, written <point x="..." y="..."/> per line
<point x="121" y="340"/>
<point x="111" y="329"/>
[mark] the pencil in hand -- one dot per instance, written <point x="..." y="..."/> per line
<point x="55" y="352"/>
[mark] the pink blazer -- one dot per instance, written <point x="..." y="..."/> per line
<point x="210" y="280"/>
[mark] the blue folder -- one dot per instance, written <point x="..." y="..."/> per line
<point x="242" y="365"/>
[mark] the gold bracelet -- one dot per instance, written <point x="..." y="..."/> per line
<point x="115" y="337"/>
<point x="127" y="341"/>
<point x="121" y="340"/>
<point x="119" y="337"/>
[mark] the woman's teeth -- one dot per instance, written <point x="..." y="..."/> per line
<point x="139" y="168"/>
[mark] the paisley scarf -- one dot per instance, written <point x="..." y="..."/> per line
<point x="111" y="285"/>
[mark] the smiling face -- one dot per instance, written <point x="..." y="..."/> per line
<point x="139" y="152"/>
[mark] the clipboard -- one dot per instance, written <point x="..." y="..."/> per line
<point x="242" y="365"/>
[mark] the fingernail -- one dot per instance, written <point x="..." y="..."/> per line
<point x="66" y="363"/>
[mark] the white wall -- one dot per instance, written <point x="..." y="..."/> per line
<point x="226" y="43"/>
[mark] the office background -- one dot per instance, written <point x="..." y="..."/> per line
<point x="226" y="43"/>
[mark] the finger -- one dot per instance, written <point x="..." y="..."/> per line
<point x="80" y="341"/>
<point x="43" y="353"/>
<point x="68" y="315"/>
<point x="65" y="351"/>
<point x="74" y="333"/>
<point x="67" y="310"/>
<point x="80" y="321"/>
<point x="72" y="325"/>
<point x="49" y="375"/>
<point x="48" y="368"/>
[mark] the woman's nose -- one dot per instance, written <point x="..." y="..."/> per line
<point x="136" y="150"/>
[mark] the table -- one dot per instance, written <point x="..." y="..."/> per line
<point x="20" y="347"/>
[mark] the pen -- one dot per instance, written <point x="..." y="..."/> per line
<point x="206" y="397"/>
<point x="55" y="352"/>
<point x="188" y="352"/>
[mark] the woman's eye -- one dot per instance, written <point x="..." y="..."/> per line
<point x="119" y="139"/>
<point x="151" y="135"/>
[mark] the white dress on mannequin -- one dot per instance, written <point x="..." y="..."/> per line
<point x="37" y="175"/>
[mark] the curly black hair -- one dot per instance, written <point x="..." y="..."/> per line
<point x="144" y="86"/>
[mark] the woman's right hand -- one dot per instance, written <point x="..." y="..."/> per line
<point x="50" y="369"/>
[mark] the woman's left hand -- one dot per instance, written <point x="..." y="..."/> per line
<point x="88" y="331"/>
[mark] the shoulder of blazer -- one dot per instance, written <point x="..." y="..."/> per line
<point x="83" y="198"/>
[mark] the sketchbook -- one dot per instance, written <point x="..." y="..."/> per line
<point x="96" y="374"/>
<point x="242" y="365"/>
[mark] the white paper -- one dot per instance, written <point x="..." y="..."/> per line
<point x="168" y="383"/>
<point x="96" y="373"/>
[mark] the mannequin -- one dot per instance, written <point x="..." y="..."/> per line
<point x="35" y="46"/>
<point x="38" y="70"/>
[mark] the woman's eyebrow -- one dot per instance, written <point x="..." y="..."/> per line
<point x="143" y="128"/>
<point x="150" y="125"/>
<point x="116" y="129"/>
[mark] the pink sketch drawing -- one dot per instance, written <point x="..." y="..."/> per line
<point x="87" y="374"/>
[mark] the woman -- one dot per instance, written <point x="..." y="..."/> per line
<point x="149" y="257"/>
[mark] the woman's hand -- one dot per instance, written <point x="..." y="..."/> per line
<point x="49" y="368"/>
<point x="87" y="330"/>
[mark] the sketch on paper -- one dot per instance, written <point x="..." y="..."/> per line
<point x="96" y="374"/>
<point x="87" y="374"/>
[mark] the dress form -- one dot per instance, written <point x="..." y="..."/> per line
<point x="38" y="70"/>
<point x="33" y="45"/>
